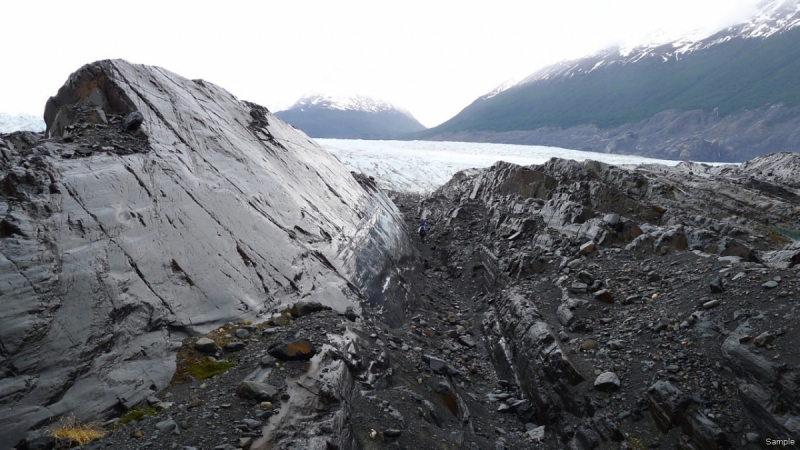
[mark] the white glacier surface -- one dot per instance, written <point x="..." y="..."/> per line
<point x="423" y="166"/>
<point x="20" y="122"/>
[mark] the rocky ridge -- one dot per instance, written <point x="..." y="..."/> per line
<point x="154" y="208"/>
<point x="568" y="305"/>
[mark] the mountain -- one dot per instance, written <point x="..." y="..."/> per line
<point x="353" y="117"/>
<point x="727" y="96"/>
<point x="155" y="208"/>
<point x="20" y="122"/>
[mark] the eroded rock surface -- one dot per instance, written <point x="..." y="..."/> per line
<point x="156" y="207"/>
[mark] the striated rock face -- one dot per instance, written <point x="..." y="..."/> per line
<point x="648" y="304"/>
<point x="115" y="245"/>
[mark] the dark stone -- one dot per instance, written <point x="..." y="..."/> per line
<point x="704" y="432"/>
<point x="604" y="296"/>
<point x="37" y="441"/>
<point x="206" y="345"/>
<point x="392" y="433"/>
<point x="667" y="404"/>
<point x="437" y="365"/>
<point x="293" y="350"/>
<point x="133" y="121"/>
<point x="350" y="314"/>
<point x="717" y="286"/>
<point x="301" y="309"/>
<point x="234" y="346"/>
<point x="607" y="382"/>
<point x="256" y="391"/>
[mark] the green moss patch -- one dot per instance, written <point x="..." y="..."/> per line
<point x="137" y="414"/>
<point x="198" y="367"/>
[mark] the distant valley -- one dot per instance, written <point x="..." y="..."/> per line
<point x="727" y="97"/>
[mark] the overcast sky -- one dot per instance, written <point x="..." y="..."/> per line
<point x="431" y="57"/>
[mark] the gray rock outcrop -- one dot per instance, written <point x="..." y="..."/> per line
<point x="117" y="241"/>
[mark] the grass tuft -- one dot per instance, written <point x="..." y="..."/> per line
<point x="82" y="433"/>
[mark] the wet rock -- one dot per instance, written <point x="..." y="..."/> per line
<point x="242" y="333"/>
<point x="457" y="438"/>
<point x="704" y="432"/>
<point x="744" y="362"/>
<point x="173" y="281"/>
<point x="771" y="284"/>
<point x="206" y="345"/>
<point x="437" y="365"/>
<point x="607" y="382"/>
<point x="133" y="121"/>
<point x="293" y="350"/>
<point x="587" y="248"/>
<point x="763" y="339"/>
<point x="564" y="314"/>
<point x="252" y="424"/>
<point x="234" y="346"/>
<point x="605" y="296"/>
<point x="350" y="314"/>
<point x="578" y="288"/>
<point x="611" y="220"/>
<point x="37" y="441"/>
<point x="466" y="341"/>
<point x="301" y="309"/>
<point x="256" y="391"/>
<point x="667" y="404"/>
<point x="716" y="286"/>
<point x="168" y="426"/>
<point x="392" y="433"/>
<point x="711" y="304"/>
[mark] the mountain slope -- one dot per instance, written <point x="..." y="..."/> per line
<point x="356" y="117"/>
<point x="723" y="76"/>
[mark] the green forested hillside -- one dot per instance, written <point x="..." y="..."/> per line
<point x="736" y="75"/>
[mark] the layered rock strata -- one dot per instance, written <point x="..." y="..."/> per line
<point x="157" y="207"/>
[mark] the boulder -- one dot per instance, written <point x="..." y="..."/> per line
<point x="206" y="345"/>
<point x="667" y="404"/>
<point x="604" y="295"/>
<point x="133" y="121"/>
<point x="293" y="350"/>
<point x="256" y="391"/>
<point x="607" y="382"/>
<point x="250" y="199"/>
<point x="301" y="309"/>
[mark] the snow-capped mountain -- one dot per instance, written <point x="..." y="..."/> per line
<point x="773" y="17"/>
<point x="349" y="117"/>
<point x="20" y="122"/>
<point x="502" y="87"/>
<point x="346" y="103"/>
<point x="724" y="95"/>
